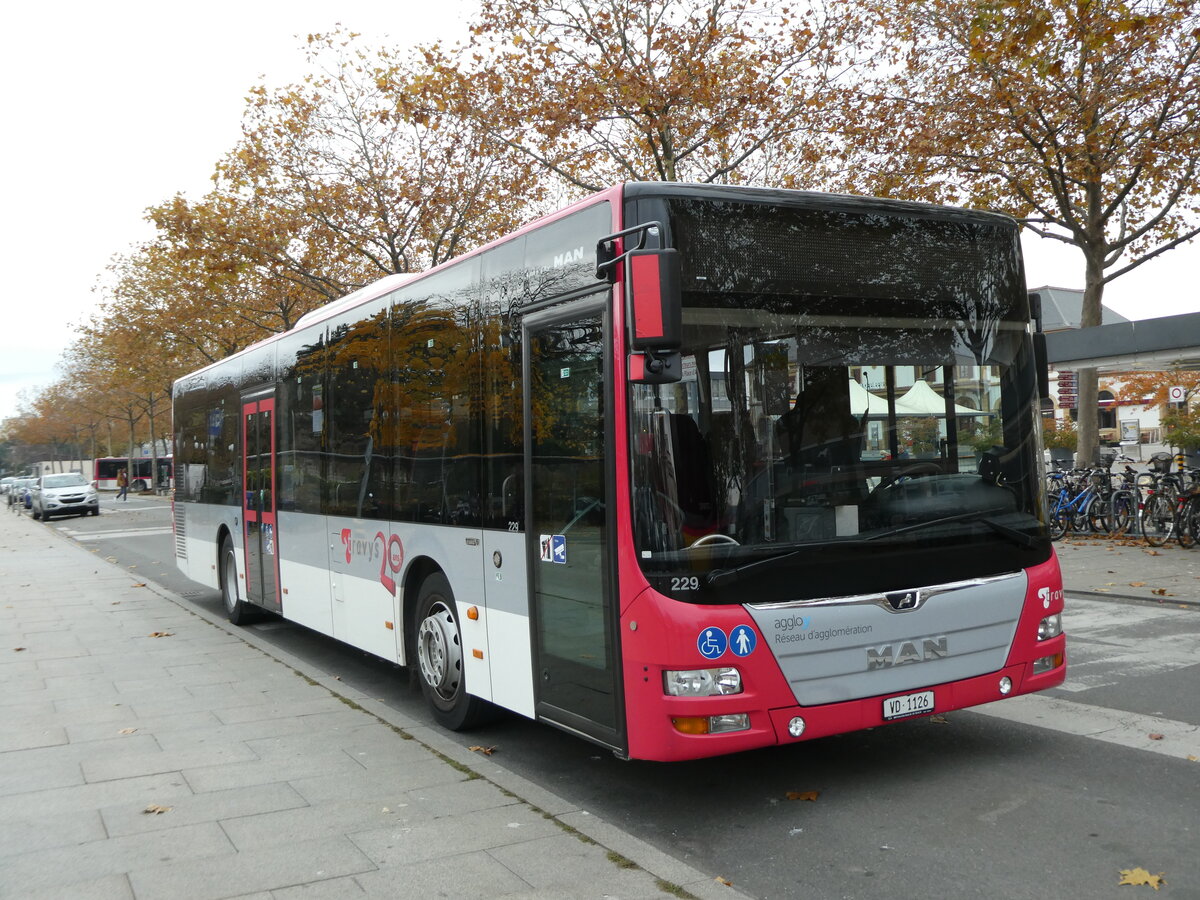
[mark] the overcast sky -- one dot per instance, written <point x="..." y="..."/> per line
<point x="111" y="108"/>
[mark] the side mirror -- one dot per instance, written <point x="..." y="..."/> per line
<point x="653" y="299"/>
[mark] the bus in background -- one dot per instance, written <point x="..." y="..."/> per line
<point x="107" y="468"/>
<point x="662" y="470"/>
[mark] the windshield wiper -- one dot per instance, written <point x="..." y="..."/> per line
<point x="719" y="577"/>
<point x="982" y="516"/>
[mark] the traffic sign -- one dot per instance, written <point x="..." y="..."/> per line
<point x="1176" y="393"/>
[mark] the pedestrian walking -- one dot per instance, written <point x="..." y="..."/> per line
<point x="122" y="485"/>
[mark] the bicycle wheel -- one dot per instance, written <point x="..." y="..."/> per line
<point x="1158" y="520"/>
<point x="1057" y="518"/>
<point x="1097" y="515"/>
<point x="1122" y="512"/>
<point x="1185" y="529"/>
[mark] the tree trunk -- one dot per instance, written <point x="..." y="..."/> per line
<point x="1090" y="316"/>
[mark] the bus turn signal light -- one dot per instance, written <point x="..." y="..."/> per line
<point x="712" y="724"/>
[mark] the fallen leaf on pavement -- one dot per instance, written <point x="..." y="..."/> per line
<point x="486" y="751"/>
<point x="1141" y="876"/>
<point x="1192" y="757"/>
<point x="810" y="796"/>
<point x="162" y="634"/>
<point x="1137" y="584"/>
<point x="155" y="809"/>
<point x="724" y="881"/>
<point x="939" y="720"/>
<point x="139" y="584"/>
<point x="1155" y="736"/>
<point x="127" y="731"/>
<point x="1161" y="592"/>
<point x="17" y="649"/>
<point x="1152" y="553"/>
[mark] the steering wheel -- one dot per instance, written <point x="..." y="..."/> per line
<point x="715" y="538"/>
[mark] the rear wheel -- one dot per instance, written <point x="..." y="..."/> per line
<point x="238" y="610"/>
<point x="1122" y="512"/>
<point x="1098" y="516"/>
<point x="1188" y="521"/>
<point x="439" y="652"/>
<point x="1157" y="520"/>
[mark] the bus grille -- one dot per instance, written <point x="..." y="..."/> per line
<point x="180" y="532"/>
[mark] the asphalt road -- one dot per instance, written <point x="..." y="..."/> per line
<point x="1052" y="798"/>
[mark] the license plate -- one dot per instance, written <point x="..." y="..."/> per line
<point x="908" y="705"/>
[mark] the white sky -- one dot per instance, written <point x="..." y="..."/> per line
<point x="112" y="108"/>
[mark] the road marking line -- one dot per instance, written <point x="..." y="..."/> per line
<point x="112" y="535"/>
<point x="1180" y="740"/>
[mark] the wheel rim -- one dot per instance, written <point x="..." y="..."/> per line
<point x="439" y="651"/>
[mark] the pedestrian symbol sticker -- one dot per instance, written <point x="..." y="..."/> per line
<point x="742" y="640"/>
<point x="712" y="643"/>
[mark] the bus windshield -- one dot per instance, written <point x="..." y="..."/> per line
<point x="858" y="409"/>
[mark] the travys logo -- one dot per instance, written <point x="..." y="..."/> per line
<point x="1047" y="595"/>
<point x="388" y="549"/>
<point x="368" y="549"/>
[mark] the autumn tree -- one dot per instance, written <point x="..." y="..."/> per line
<point x="338" y="181"/>
<point x="1079" y="117"/>
<point x="598" y="91"/>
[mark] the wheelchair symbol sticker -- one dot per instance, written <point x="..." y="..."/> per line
<point x="743" y="640"/>
<point x="712" y="643"/>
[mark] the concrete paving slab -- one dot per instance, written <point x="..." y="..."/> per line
<point x="108" y="887"/>
<point x="237" y="874"/>
<point x="46" y="832"/>
<point x="217" y="806"/>
<point x="464" y="875"/>
<point x="43" y="869"/>
<point x="452" y="835"/>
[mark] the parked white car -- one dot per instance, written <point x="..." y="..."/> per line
<point x="59" y="495"/>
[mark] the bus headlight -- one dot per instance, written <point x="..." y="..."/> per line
<point x="702" y="682"/>
<point x="1049" y="627"/>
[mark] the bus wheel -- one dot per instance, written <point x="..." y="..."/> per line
<point x="439" y="651"/>
<point x="238" y="610"/>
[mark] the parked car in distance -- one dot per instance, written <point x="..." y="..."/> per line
<point x="6" y="482"/>
<point x="57" y="495"/>
<point x="18" y="492"/>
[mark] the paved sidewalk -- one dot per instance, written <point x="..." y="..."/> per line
<point x="1127" y="567"/>
<point x="149" y="751"/>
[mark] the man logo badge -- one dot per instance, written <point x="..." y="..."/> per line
<point x="902" y="600"/>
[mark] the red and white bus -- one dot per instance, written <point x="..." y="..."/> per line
<point x="106" y="469"/>
<point x="662" y="470"/>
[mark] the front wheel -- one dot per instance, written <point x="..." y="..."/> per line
<point x="440" y="658"/>
<point x="237" y="610"/>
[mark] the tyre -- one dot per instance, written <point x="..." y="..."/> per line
<point x="1098" y="516"/>
<point x="35" y="513"/>
<point x="1185" y="529"/>
<point x="237" y="610"/>
<point x="1057" y="519"/>
<point x="1158" y="519"/>
<point x="138" y="485"/>
<point x="1122" y="512"/>
<point x="439" y="656"/>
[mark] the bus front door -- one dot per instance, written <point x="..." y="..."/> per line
<point x="573" y="616"/>
<point x="258" y="503"/>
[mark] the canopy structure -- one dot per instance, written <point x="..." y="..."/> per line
<point x="862" y="400"/>
<point x="922" y="400"/>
